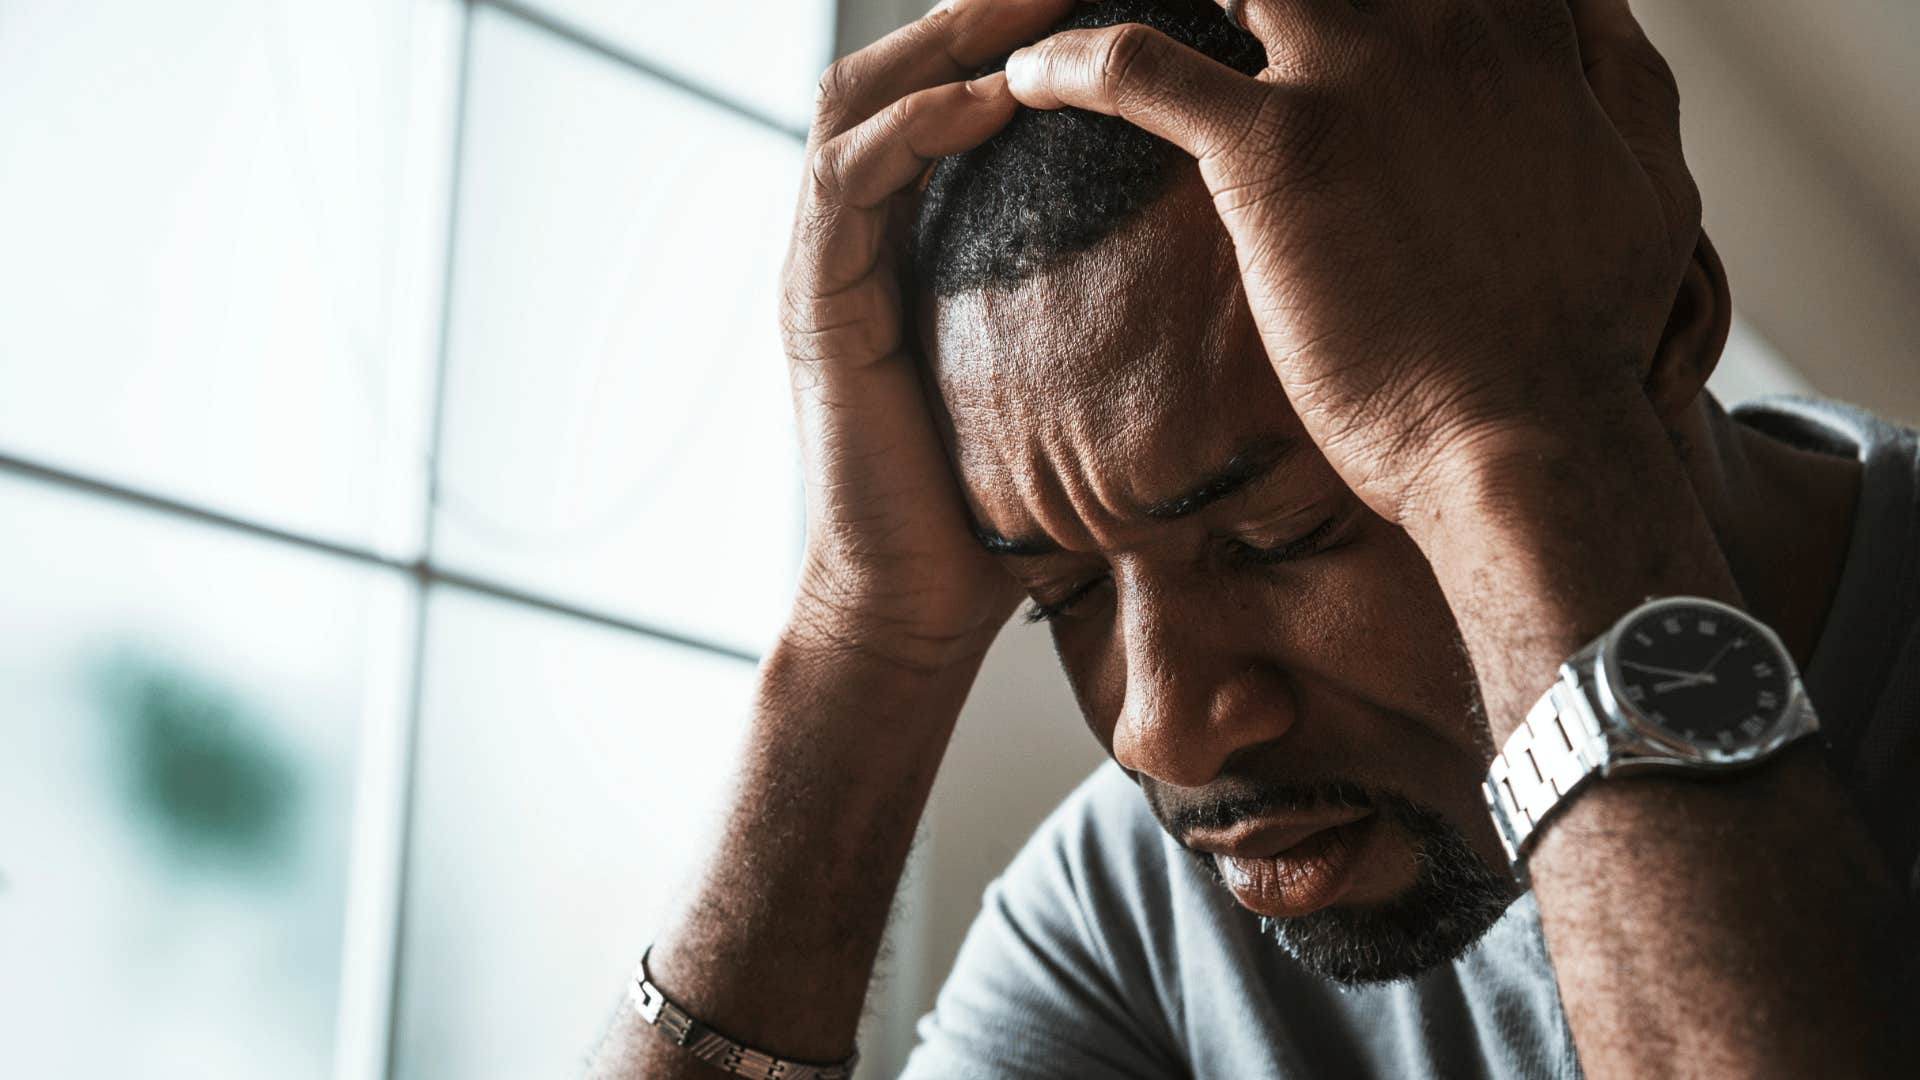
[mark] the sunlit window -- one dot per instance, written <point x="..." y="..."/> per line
<point x="396" y="487"/>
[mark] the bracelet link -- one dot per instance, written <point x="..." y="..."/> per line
<point x="715" y="1049"/>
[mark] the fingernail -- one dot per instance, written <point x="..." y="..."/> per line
<point x="1019" y="58"/>
<point x="987" y="86"/>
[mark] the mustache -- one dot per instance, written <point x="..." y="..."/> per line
<point x="1184" y="816"/>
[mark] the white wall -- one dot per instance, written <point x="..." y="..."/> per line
<point x="1800" y="126"/>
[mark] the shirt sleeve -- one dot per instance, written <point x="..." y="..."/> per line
<point x="1054" y="980"/>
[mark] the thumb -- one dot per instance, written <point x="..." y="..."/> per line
<point x="1636" y="88"/>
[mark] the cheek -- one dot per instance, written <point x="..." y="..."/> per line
<point x="1093" y="658"/>
<point x="1384" y="624"/>
<point x="1364" y="624"/>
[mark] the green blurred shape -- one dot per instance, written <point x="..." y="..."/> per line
<point x="196" y="764"/>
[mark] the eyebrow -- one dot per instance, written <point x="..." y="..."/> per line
<point x="1253" y="461"/>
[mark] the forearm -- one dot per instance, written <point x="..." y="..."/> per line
<point x="776" y="943"/>
<point x="1719" y="927"/>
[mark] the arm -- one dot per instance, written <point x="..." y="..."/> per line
<point x="1461" y="227"/>
<point x="778" y="943"/>
<point x="897" y="604"/>
<point x="1737" y="927"/>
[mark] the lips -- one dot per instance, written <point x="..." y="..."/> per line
<point x="1285" y="871"/>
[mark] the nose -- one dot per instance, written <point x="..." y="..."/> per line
<point x="1197" y="690"/>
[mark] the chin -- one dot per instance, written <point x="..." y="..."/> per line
<point x="1365" y="945"/>
<point x="1398" y="923"/>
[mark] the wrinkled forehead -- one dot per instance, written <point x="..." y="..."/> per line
<point x="1115" y="375"/>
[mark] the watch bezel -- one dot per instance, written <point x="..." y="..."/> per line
<point x="1637" y="741"/>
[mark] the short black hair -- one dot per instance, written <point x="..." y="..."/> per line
<point x="1057" y="182"/>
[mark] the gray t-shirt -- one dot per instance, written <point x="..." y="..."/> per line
<point x="1105" y="952"/>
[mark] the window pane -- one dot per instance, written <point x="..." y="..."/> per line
<point x="618" y="429"/>
<point x="566" y="777"/>
<point x="768" y="53"/>
<point x="219" y="274"/>
<point x="181" y="710"/>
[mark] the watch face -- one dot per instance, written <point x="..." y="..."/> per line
<point x="1701" y="674"/>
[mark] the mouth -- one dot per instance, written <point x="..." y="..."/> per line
<point x="1287" y="870"/>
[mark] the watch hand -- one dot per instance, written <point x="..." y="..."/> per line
<point x="1717" y="657"/>
<point x="1651" y="670"/>
<point x="1691" y="680"/>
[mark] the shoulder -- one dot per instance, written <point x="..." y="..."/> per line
<point x="1098" y="870"/>
<point x="1102" y="835"/>
<point x="1059" y="975"/>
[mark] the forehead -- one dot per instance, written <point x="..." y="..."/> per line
<point x="1111" y="380"/>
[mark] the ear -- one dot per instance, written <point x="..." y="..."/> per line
<point x="1695" y="334"/>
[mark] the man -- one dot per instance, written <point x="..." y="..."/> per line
<point x="1327" y="434"/>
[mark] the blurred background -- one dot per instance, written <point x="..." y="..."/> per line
<point x="396" y="489"/>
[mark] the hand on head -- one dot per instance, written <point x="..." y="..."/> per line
<point x="1461" y="224"/>
<point x="892" y="565"/>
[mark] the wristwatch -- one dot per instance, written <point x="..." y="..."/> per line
<point x="1680" y="683"/>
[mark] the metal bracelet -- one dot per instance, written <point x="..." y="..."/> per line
<point x="716" y="1049"/>
<point x="1553" y="752"/>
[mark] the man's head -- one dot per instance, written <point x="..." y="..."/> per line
<point x="1054" y="183"/>
<point x="1272" y="662"/>
<point x="1262" y="653"/>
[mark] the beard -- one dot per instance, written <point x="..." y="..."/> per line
<point x="1454" y="900"/>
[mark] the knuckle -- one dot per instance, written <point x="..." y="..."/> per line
<point x="1652" y="67"/>
<point x="939" y="30"/>
<point x="1639" y="70"/>
<point x="1649" y="111"/>
<point x="827" y="168"/>
<point x="836" y="90"/>
<point x="1124" y="58"/>
<point x="902" y="116"/>
<point x="803" y="270"/>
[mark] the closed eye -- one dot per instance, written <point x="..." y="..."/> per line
<point x="1298" y="548"/>
<point x="1038" y="612"/>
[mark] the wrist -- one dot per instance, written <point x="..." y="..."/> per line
<point x="1542" y="539"/>
<point x="870" y="676"/>
<point x="1532" y="473"/>
<point x="833" y="621"/>
<point x="1601" y="496"/>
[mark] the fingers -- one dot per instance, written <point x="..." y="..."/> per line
<point x="946" y="45"/>
<point x="861" y="168"/>
<point x="1139" y="74"/>
<point x="1636" y="88"/>
<point x="1294" y="32"/>
<point x="844" y="216"/>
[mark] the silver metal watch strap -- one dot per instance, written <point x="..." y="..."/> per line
<point x="716" y="1049"/>
<point x="1555" y="749"/>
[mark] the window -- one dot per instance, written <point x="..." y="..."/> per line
<point x="618" y="428"/>
<point x="396" y="487"/>
<point x="186" y="710"/>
